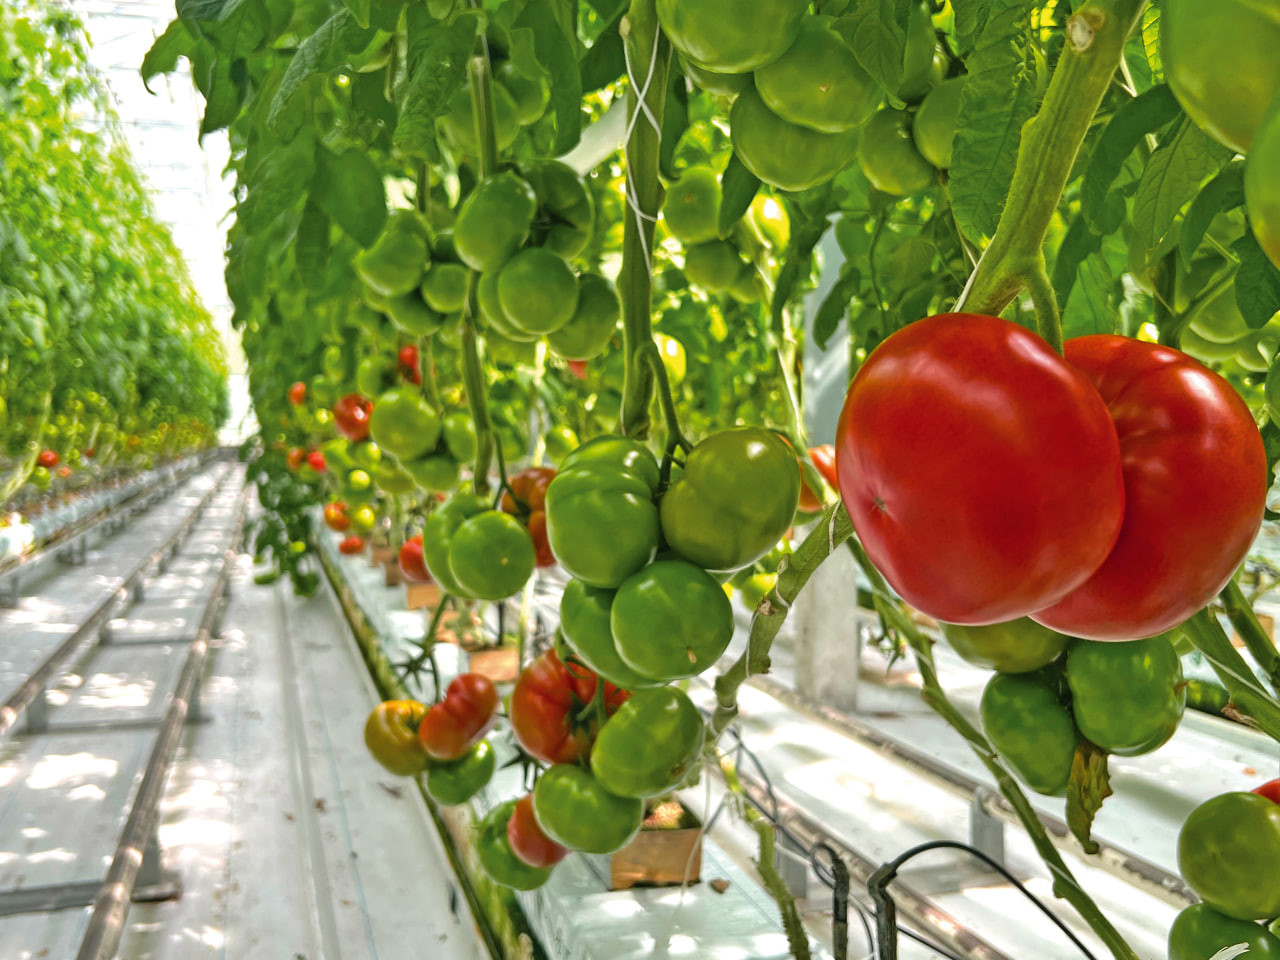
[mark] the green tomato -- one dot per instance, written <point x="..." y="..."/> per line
<point x="392" y="478"/>
<point x="530" y="96"/>
<point x="459" y="780"/>
<point x="560" y="441"/>
<point x="720" y="84"/>
<point x="459" y="123"/>
<point x="671" y="620"/>
<point x="373" y="374"/>
<point x="566" y="211"/>
<point x="1261" y="188"/>
<point x="602" y="524"/>
<point x="691" y="209"/>
<point x="819" y="83"/>
<point x="736" y="499"/>
<point x="584" y="620"/>
<point x="888" y="156"/>
<point x="1202" y="348"/>
<point x="538" y="291"/>
<point x="1127" y="697"/>
<point x="444" y="288"/>
<point x="577" y="812"/>
<point x="786" y="155"/>
<point x="647" y="747"/>
<point x="1199" y="932"/>
<point x="495" y="221"/>
<point x="491" y="555"/>
<point x="491" y="310"/>
<point x="404" y="423"/>
<point x="337" y="454"/>
<point x="714" y="265"/>
<point x="436" y="474"/>
<point x="460" y="436"/>
<point x="1220" y="61"/>
<point x="393" y="266"/>
<point x="730" y="37"/>
<point x="934" y="129"/>
<point x="363" y="518"/>
<point x="771" y="218"/>
<point x="1031" y="730"/>
<point x="754" y="588"/>
<point x="1227" y="852"/>
<point x="594" y="322"/>
<point x="922" y="64"/>
<point x="438" y="533"/>
<point x="496" y="857"/>
<point x="1015" y="646"/>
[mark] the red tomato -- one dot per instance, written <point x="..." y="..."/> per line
<point x="459" y="721"/>
<point x="297" y="393"/>
<point x="545" y="705"/>
<point x="352" y="545"/>
<point x="1270" y="790"/>
<point x="316" y="459"/>
<point x="578" y="368"/>
<point x="1195" y="474"/>
<point x="335" y="517"/>
<point x="412" y="563"/>
<point x="351" y="416"/>
<point x="64" y="472"/>
<point x="824" y="459"/>
<point x="48" y="459"/>
<point x="88" y="453"/>
<point x="530" y="488"/>
<point x="981" y="471"/>
<point x="527" y="840"/>
<point x="294" y="457"/>
<point x="409" y="364"/>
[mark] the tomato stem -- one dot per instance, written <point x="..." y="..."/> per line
<point x="1048" y="316"/>
<point x="1096" y="37"/>
<point x="648" y="55"/>
<point x="675" y="438"/>
<point x="1240" y="612"/>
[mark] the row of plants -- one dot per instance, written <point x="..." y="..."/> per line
<point x="107" y="358"/>
<point x="1057" y="290"/>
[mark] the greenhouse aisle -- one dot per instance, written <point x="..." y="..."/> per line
<point x="290" y="841"/>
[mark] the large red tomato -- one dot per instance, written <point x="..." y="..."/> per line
<point x="459" y="721"/>
<point x="412" y="563"/>
<point x="548" y="706"/>
<point x="981" y="472"/>
<point x="1195" y="476"/>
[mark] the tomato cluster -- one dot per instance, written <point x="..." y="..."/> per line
<point x="445" y="741"/>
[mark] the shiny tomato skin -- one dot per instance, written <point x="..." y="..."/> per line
<point x="297" y="393"/>
<point x="1270" y="790"/>
<point x="315" y="459"/>
<point x="48" y="459"/>
<point x="1195" y="487"/>
<point x="412" y="564"/>
<point x="545" y="704"/>
<point x="527" y="839"/>
<point x="459" y="721"/>
<point x="335" y="517"/>
<point x="981" y="471"/>
<point x="390" y="733"/>
<point x="351" y="416"/>
<point x="351" y="545"/>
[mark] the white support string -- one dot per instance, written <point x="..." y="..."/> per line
<point x="642" y="107"/>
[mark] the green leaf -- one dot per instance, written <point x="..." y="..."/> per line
<point x="311" y="246"/>
<point x="1224" y="192"/>
<point x="1077" y="245"/>
<point x="440" y="71"/>
<point x="359" y="9"/>
<point x="348" y="187"/>
<point x="1090" y="785"/>
<point x="877" y="39"/>
<point x="738" y="187"/>
<point x="970" y="19"/>
<point x="236" y="28"/>
<point x="221" y="91"/>
<point x="675" y="121"/>
<point x="175" y="42"/>
<point x="1151" y="40"/>
<point x="1185" y="158"/>
<point x="1127" y="128"/>
<point x="321" y="52"/>
<point x="556" y="42"/>
<point x="278" y="182"/>
<point x="1257" y="282"/>
<point x="1089" y="308"/>
<point x="606" y="60"/>
<point x="999" y="98"/>
<point x="835" y="305"/>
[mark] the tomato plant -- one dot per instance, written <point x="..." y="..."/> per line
<point x="548" y="709"/>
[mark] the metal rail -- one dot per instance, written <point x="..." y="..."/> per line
<point x="106" y="925"/>
<point x="32" y="689"/>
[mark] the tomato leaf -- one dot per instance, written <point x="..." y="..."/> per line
<point x="236" y="28"/>
<point x="359" y="10"/>
<point x="348" y="187"/>
<point x="606" y="60"/>
<point x="1224" y="192"/>
<point x="1185" y="158"/>
<point x="216" y="80"/>
<point x="278" y="182"/>
<point x="835" y="305"/>
<point x="311" y="245"/>
<point x="738" y="187"/>
<point x="999" y="98"/>
<point x="877" y="39"/>
<point x="675" y="121"/>
<point x="1090" y="785"/>
<point x="175" y="42"/>
<point x="1089" y="308"/>
<point x="1257" y="282"/>
<point x="437" y="66"/>
<point x="319" y="53"/>
<point x="556" y="41"/>
<point x="1128" y="127"/>
<point x="1151" y="41"/>
<point x="971" y="18"/>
